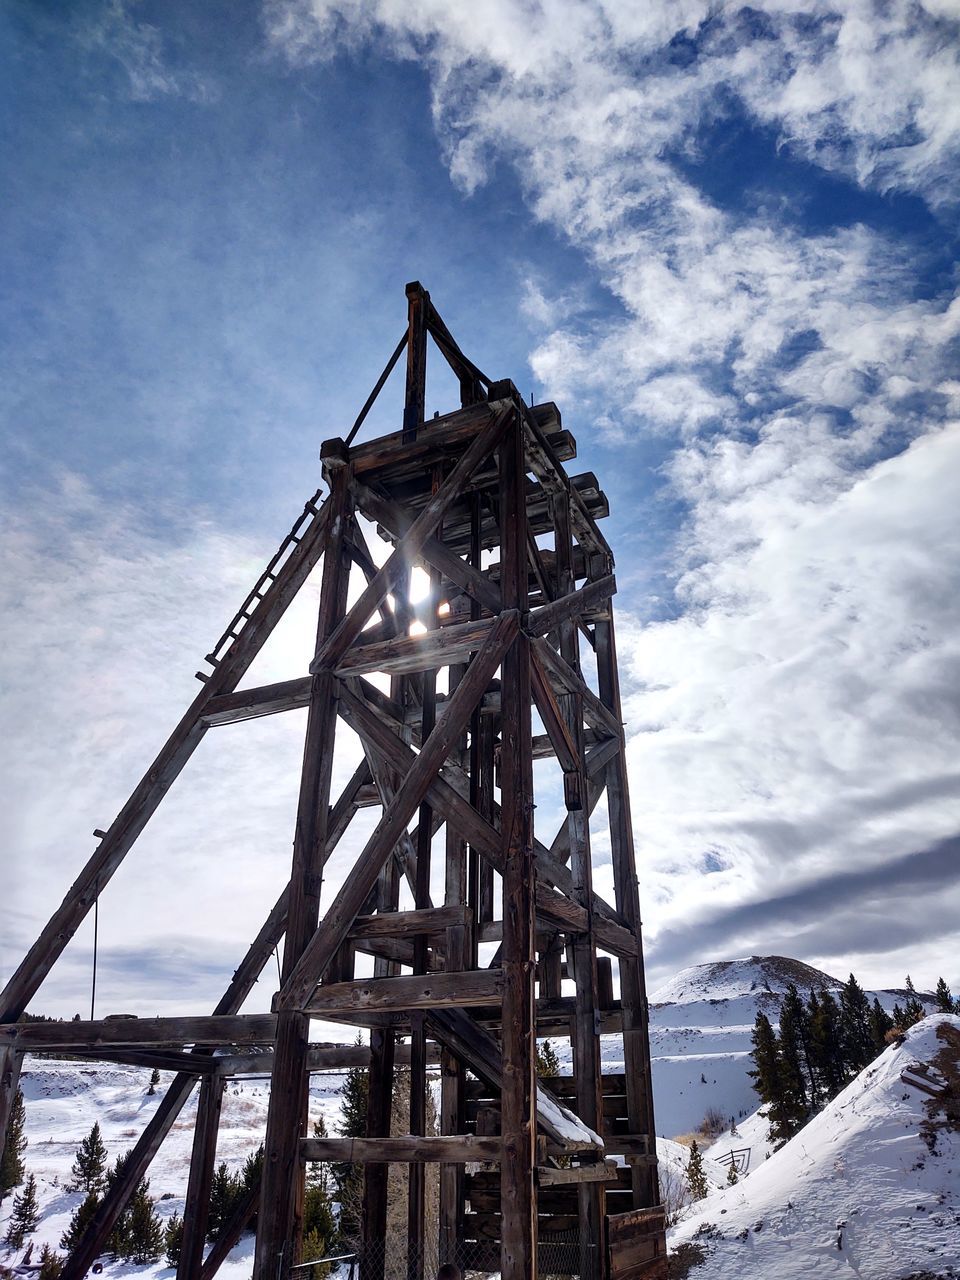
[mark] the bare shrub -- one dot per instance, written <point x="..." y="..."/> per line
<point x="714" y="1123"/>
<point x="674" y="1191"/>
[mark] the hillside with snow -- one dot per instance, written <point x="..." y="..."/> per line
<point x="869" y="1188"/>
<point x="700" y="1027"/>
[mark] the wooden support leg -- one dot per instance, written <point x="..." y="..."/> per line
<point x="633" y="995"/>
<point x="280" y="1220"/>
<point x="518" y="1201"/>
<point x="196" y="1211"/>
<point x="10" y="1061"/>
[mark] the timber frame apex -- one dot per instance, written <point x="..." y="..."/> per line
<point x="463" y="930"/>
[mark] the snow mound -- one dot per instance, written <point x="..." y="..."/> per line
<point x="728" y="979"/>
<point x="870" y="1187"/>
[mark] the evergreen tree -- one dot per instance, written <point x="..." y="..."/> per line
<point x="944" y="997"/>
<point x="173" y="1239"/>
<point x="881" y="1023"/>
<point x="250" y="1176"/>
<point x="145" y="1239"/>
<point x="11" y="1166"/>
<point x="118" y="1241"/>
<point x="51" y="1264"/>
<point x="318" y="1172"/>
<point x="154" y="1081"/>
<point x="909" y="985"/>
<point x="348" y="1178"/>
<point x="732" y="1178"/>
<point x="826" y="1047"/>
<point x="88" y="1172"/>
<point x="913" y="1011"/>
<point x="225" y="1191"/>
<point x="26" y="1214"/>
<point x="548" y="1064"/>
<point x="766" y="1070"/>
<point x="80" y="1221"/>
<point x="857" y="1033"/>
<point x="899" y="1020"/>
<point x="696" y="1177"/>
<point x="794" y="1097"/>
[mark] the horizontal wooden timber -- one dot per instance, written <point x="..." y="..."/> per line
<point x="438" y="437"/>
<point x="542" y="621"/>
<point x="404" y="654"/>
<point x="458" y="989"/>
<point x="449" y="1149"/>
<point x="265" y="700"/>
<point x="194" y="1064"/>
<point x="214" y="1029"/>
<point x="600" y="1171"/>
<point x="543" y="747"/>
<point x="408" y="924"/>
<point x="320" y="1057"/>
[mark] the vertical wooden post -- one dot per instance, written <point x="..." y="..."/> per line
<point x="633" y="993"/>
<point x="196" y="1210"/>
<point x="418" y="301"/>
<point x="518" y="1249"/>
<point x="586" y="1039"/>
<point x="10" y="1062"/>
<point x="278" y="1225"/>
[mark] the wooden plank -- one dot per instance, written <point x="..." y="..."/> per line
<point x="282" y="1188"/>
<point x="349" y="901"/>
<point x="161" y="775"/>
<point x="602" y="1171"/>
<point x="566" y="680"/>
<point x="10" y="1063"/>
<point x="407" y="923"/>
<point x="265" y="700"/>
<point x="193" y="1063"/>
<point x="404" y="654"/>
<point x="246" y="1028"/>
<point x="458" y="1149"/>
<point x="548" y="618"/>
<point x="412" y="991"/>
<point x="196" y="1212"/>
<point x="332" y="650"/>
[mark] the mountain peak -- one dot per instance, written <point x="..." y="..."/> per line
<point x="728" y="979"/>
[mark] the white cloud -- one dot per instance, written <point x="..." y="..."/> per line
<point x="797" y="718"/>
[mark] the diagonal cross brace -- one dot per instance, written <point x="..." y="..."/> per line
<point x="348" y="903"/>
<point x="411" y="544"/>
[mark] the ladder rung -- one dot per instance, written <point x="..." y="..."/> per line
<point x="209" y="657"/>
<point x="202" y="676"/>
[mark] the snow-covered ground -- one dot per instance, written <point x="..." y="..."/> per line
<point x="858" y="1192"/>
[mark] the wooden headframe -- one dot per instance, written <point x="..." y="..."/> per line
<point x="482" y="935"/>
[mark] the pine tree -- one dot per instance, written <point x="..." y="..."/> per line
<point x="795" y="1106"/>
<point x="154" y="1081"/>
<point x="173" y="1239"/>
<point x="118" y="1242"/>
<point x="26" y="1214"/>
<point x="80" y="1221"/>
<point x="732" y="1178"/>
<point x="548" y="1064"/>
<point x="51" y="1264"/>
<point x="348" y="1178"/>
<point x="944" y="997"/>
<point x="89" y="1167"/>
<point x="899" y="1020"/>
<point x="826" y="1046"/>
<point x="144" y="1241"/>
<point x="881" y="1023"/>
<point x="318" y="1172"/>
<point x="696" y="1177"/>
<point x="913" y="1012"/>
<point x="857" y="1033"/>
<point x="249" y="1177"/>
<point x="225" y="1190"/>
<point x="11" y="1166"/>
<point x="909" y="985"/>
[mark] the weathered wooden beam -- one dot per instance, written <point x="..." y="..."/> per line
<point x="349" y="901"/>
<point x="193" y="1063"/>
<point x="566" y="680"/>
<point x="404" y="924"/>
<point x="602" y="1171"/>
<point x="411" y="991"/>
<point x="240" y="1028"/>
<point x="332" y="650"/>
<point x="282" y="1190"/>
<point x="10" y="1063"/>
<point x="405" y="654"/>
<point x="456" y="1149"/>
<point x="231" y="1231"/>
<point x="548" y="618"/>
<point x="265" y="700"/>
<point x="196" y="1210"/>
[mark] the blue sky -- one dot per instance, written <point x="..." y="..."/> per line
<point x="723" y="239"/>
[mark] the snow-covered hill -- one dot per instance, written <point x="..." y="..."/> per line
<point x="869" y="1188"/>
<point x="700" y="1027"/>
